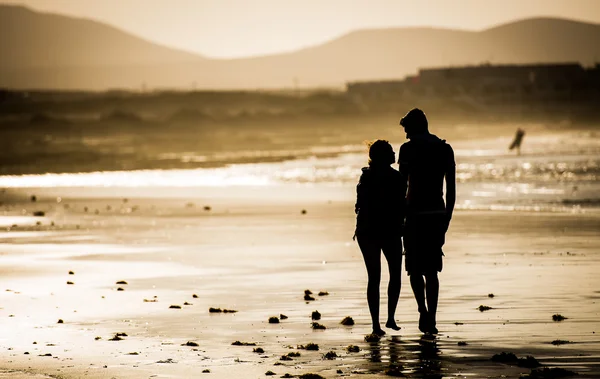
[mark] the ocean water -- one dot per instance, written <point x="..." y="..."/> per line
<point x="557" y="172"/>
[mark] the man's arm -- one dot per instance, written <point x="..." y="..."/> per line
<point x="450" y="184"/>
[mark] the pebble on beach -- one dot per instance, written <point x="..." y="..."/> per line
<point x="323" y="293"/>
<point x="347" y="321"/>
<point x="186" y="303"/>
<point x="558" y="317"/>
<point x="60" y="321"/>
<point x="69" y="282"/>
<point x="560" y="342"/>
<point x="353" y="349"/>
<point x="120" y="289"/>
<point x="239" y="343"/>
<point x="483" y="308"/>
<point x="282" y="316"/>
<point x="71" y="273"/>
<point x="258" y="350"/>
<point x="121" y="282"/>
<point x="303" y="211"/>
<point x="317" y="326"/>
<point x="308" y="297"/>
<point x="491" y="295"/>
<point x="39" y="213"/>
<point x="190" y="343"/>
<point x="330" y="355"/>
<point x="315" y="315"/>
<point x="270" y="373"/>
<point x="195" y="296"/>
<point x="273" y="320"/>
<point x="175" y="307"/>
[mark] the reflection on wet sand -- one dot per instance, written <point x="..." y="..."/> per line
<point x="417" y="357"/>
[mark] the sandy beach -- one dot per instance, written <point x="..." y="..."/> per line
<point x="252" y="250"/>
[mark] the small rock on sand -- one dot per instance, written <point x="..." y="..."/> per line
<point x="462" y="343"/>
<point x="347" y="321"/>
<point x="270" y="373"/>
<point x="317" y="326"/>
<point x="39" y="214"/>
<point x="549" y="373"/>
<point x="121" y="282"/>
<point x="353" y="349"/>
<point x="175" y="307"/>
<point x="491" y="295"/>
<point x="239" y="343"/>
<point x="258" y="350"/>
<point x="33" y="198"/>
<point x="207" y="208"/>
<point x="331" y="355"/>
<point x="303" y="211"/>
<point x="186" y="303"/>
<point x="69" y="282"/>
<point x="323" y="293"/>
<point x="120" y="289"/>
<point x="214" y="310"/>
<point x="560" y="342"/>
<point x="307" y="292"/>
<point x="273" y="320"/>
<point x="558" y="317"/>
<point x="60" y="321"/>
<point x="372" y="338"/>
<point x="206" y="371"/>
<point x="483" y="308"/>
<point x="97" y="338"/>
<point x="282" y="316"/>
<point x="190" y="343"/>
<point x="308" y="298"/>
<point x="195" y="296"/>
<point x="71" y="273"/>
<point x="315" y="315"/>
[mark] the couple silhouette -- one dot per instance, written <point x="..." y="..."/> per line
<point x="406" y="206"/>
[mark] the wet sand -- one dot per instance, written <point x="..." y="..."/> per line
<point x="255" y="252"/>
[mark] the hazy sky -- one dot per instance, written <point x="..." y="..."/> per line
<point x="235" y="28"/>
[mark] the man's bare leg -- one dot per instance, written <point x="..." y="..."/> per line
<point x="418" y="286"/>
<point x="433" y="289"/>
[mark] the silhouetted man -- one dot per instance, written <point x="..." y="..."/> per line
<point x="424" y="163"/>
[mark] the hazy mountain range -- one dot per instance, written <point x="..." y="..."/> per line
<point x="41" y="50"/>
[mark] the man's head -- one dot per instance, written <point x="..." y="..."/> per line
<point x="415" y="122"/>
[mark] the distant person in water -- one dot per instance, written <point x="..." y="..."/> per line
<point x="379" y="218"/>
<point x="425" y="161"/>
<point x="517" y="141"/>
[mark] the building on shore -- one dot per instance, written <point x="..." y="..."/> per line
<point x="565" y="87"/>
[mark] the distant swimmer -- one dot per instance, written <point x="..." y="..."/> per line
<point x="516" y="143"/>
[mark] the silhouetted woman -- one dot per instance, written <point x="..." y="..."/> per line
<point x="379" y="219"/>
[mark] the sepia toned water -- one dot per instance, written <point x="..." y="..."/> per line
<point x="555" y="172"/>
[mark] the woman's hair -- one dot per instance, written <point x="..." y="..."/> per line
<point x="380" y="152"/>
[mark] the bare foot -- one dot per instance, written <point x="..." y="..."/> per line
<point x="379" y="332"/>
<point x="424" y="322"/>
<point x="391" y="324"/>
